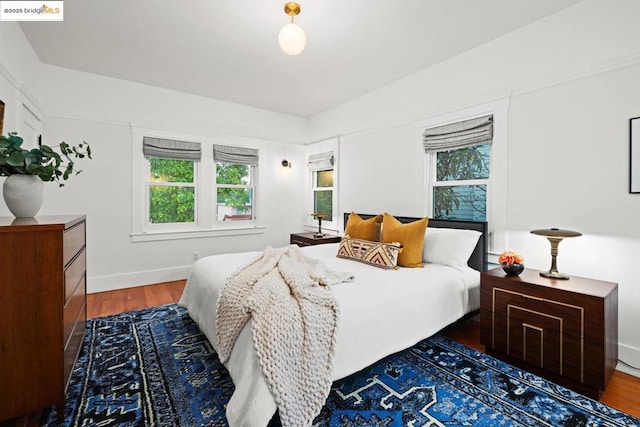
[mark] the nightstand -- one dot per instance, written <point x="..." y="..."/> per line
<point x="307" y="239"/>
<point x="563" y="330"/>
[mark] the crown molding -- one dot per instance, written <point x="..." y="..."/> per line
<point x="617" y="64"/>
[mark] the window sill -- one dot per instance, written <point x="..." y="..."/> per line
<point x="195" y="234"/>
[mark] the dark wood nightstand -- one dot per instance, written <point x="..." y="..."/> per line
<point x="307" y="239"/>
<point x="563" y="330"/>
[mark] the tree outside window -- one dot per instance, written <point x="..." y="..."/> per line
<point x="323" y="192"/>
<point x="234" y="192"/>
<point x="171" y="192"/>
<point x="462" y="178"/>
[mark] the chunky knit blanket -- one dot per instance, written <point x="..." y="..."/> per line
<point x="294" y="319"/>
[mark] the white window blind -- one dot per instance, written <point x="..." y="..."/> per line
<point x="170" y="149"/>
<point x="235" y="155"/>
<point x="321" y="161"/>
<point x="459" y="135"/>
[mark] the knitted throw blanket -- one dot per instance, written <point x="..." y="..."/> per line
<point x="294" y="318"/>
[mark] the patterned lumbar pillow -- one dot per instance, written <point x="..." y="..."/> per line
<point x="383" y="255"/>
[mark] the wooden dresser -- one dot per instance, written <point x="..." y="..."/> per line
<point x="42" y="310"/>
<point x="563" y="330"/>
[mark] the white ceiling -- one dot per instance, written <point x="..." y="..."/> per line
<point x="229" y="50"/>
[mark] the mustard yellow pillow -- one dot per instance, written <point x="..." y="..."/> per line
<point x="410" y="236"/>
<point x="363" y="229"/>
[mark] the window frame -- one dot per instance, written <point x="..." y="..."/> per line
<point x="168" y="226"/>
<point x="315" y="188"/>
<point x="205" y="224"/>
<point x="496" y="215"/>
<point x="330" y="224"/>
<point x="252" y="179"/>
<point x="432" y="181"/>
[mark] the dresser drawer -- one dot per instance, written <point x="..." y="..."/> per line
<point x="73" y="274"/>
<point x="72" y="308"/>
<point x="73" y="346"/>
<point x="73" y="241"/>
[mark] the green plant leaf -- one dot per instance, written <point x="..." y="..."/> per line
<point x="15" y="159"/>
<point x="44" y="162"/>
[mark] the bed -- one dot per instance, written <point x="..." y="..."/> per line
<point x="381" y="312"/>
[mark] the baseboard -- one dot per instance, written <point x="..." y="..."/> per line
<point x="140" y="278"/>
<point x="631" y="356"/>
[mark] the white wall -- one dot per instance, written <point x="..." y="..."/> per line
<point x="572" y="81"/>
<point x="20" y="84"/>
<point x="80" y="106"/>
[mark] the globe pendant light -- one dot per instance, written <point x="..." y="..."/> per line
<point x="292" y="37"/>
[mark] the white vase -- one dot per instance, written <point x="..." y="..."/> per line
<point x="23" y="194"/>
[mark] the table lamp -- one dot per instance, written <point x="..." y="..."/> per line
<point x="319" y="216"/>
<point x="555" y="236"/>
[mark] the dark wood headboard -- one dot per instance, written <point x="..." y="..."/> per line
<point x="478" y="259"/>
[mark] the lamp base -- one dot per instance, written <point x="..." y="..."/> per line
<point x="554" y="275"/>
<point x="318" y="235"/>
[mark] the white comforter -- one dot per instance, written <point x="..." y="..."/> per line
<point x="381" y="312"/>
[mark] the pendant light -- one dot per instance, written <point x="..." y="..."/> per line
<point x="292" y="37"/>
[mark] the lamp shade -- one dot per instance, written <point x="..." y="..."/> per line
<point x="292" y="39"/>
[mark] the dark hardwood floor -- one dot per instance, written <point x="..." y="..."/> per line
<point x="623" y="391"/>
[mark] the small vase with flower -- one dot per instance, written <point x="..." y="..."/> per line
<point x="512" y="263"/>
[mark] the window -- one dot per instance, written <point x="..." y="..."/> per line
<point x="171" y="188"/>
<point x="321" y="167"/>
<point x="235" y="182"/>
<point x="460" y="163"/>
<point x="460" y="187"/>
<point x="186" y="190"/>
<point x="323" y="192"/>
<point x="171" y="180"/>
<point x="234" y="193"/>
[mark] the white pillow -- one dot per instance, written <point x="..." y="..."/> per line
<point x="449" y="246"/>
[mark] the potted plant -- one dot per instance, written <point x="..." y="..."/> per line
<point x="27" y="170"/>
<point x="512" y="263"/>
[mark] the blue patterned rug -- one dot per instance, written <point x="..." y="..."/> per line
<point x="154" y="367"/>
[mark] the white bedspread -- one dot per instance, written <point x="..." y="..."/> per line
<point x="381" y="312"/>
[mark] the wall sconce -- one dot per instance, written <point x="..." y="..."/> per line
<point x="292" y="38"/>
<point x="286" y="164"/>
<point x="555" y="236"/>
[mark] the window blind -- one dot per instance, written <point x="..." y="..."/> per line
<point x="321" y="161"/>
<point x="170" y="149"/>
<point x="459" y="135"/>
<point x="235" y="155"/>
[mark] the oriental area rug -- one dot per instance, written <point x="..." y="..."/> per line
<point x="154" y="367"/>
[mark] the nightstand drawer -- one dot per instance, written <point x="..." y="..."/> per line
<point x="540" y="338"/>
